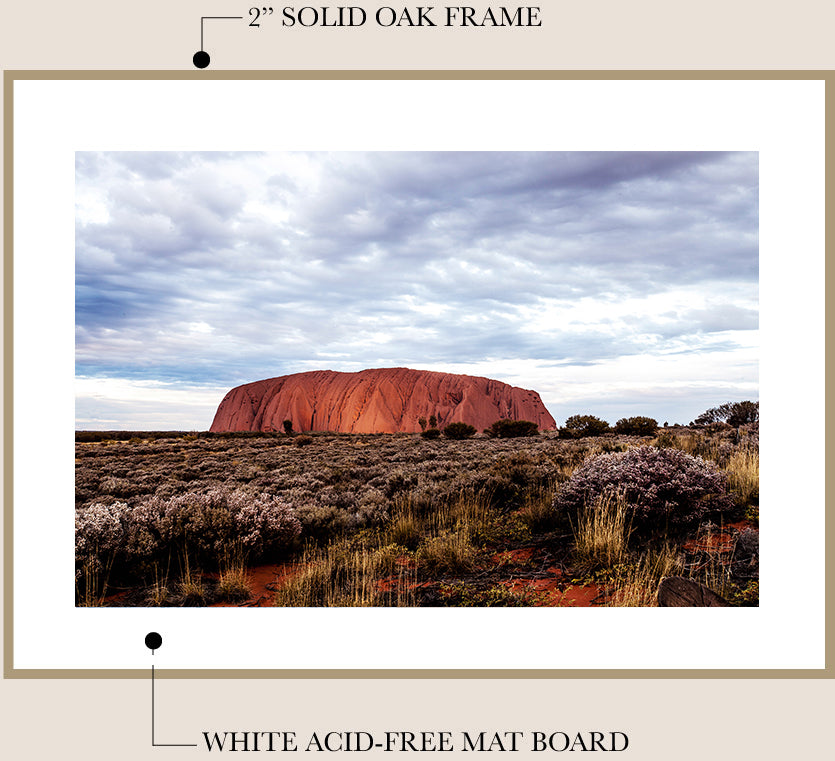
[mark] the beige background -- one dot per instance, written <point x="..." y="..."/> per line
<point x="683" y="719"/>
<point x="583" y="34"/>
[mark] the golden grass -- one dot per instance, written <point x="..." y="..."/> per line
<point x="538" y="512"/>
<point x="233" y="581"/>
<point x="743" y="471"/>
<point x="412" y="524"/>
<point x="234" y="585"/>
<point x="405" y="528"/>
<point x="448" y="552"/>
<point x="343" y="577"/>
<point x="158" y="592"/>
<point x="637" y="585"/>
<point x="601" y="537"/>
<point x="91" y="586"/>
<point x="191" y="585"/>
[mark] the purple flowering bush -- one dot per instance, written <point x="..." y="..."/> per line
<point x="666" y="488"/>
<point x="262" y="521"/>
<point x="204" y="526"/>
<point x="197" y="523"/>
<point x="99" y="534"/>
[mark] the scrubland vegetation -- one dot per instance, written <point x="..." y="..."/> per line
<point x="503" y="518"/>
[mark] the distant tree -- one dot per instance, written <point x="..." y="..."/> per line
<point x="288" y="426"/>
<point x="511" y="429"/>
<point x="637" y="426"/>
<point x="578" y="426"/>
<point x="732" y="413"/>
<point x="433" y="421"/>
<point x="422" y="423"/>
<point x="459" y="431"/>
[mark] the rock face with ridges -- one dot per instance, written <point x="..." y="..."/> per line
<point x="387" y="400"/>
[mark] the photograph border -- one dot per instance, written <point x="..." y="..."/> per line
<point x="10" y="77"/>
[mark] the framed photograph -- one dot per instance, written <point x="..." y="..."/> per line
<point x="404" y="358"/>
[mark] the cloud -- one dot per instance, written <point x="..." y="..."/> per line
<point x="223" y="268"/>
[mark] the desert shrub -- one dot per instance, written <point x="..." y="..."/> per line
<point x="303" y="441"/>
<point x="745" y="565"/>
<point x="459" y="431"/>
<point x="430" y="433"/>
<point x="203" y="526"/>
<point x="665" y="488"/>
<point x="636" y="426"/>
<point x="668" y="440"/>
<point x="118" y="487"/>
<point x="748" y="544"/>
<point x="262" y="522"/>
<point x="320" y="521"/>
<point x="511" y="429"/>
<point x="733" y="413"/>
<point x="99" y="533"/>
<point x="398" y="482"/>
<point x="196" y="523"/>
<point x="578" y="426"/>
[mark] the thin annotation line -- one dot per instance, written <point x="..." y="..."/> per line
<point x="203" y="18"/>
<point x="154" y="743"/>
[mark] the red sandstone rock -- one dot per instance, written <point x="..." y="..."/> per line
<point x="387" y="400"/>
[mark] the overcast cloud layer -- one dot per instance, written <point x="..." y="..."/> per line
<point x="615" y="284"/>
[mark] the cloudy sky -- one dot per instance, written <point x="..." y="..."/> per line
<point x="614" y="284"/>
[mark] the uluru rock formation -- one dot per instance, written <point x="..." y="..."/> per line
<point x="388" y="400"/>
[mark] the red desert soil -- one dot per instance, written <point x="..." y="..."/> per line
<point x="386" y="400"/>
<point x="263" y="580"/>
<point x="521" y="555"/>
<point x="719" y="541"/>
<point x="553" y="591"/>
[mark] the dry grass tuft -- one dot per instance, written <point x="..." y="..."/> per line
<point x="637" y="586"/>
<point x="158" y="593"/>
<point x="191" y="586"/>
<point x="234" y="585"/>
<point x="91" y="583"/>
<point x="743" y="471"/>
<point x="448" y="552"/>
<point x="538" y="512"/>
<point x="233" y="581"/>
<point x="340" y="576"/>
<point x="602" y="534"/>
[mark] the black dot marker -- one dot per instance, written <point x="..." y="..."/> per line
<point x="201" y="59"/>
<point x="152" y="641"/>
